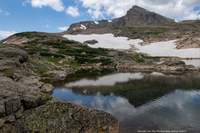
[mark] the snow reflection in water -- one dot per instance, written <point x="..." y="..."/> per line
<point x="107" y="80"/>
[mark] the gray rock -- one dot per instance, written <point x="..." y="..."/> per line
<point x="47" y="88"/>
<point x="57" y="75"/>
<point x="2" y="109"/>
<point x="173" y="63"/>
<point x="12" y="105"/>
<point x="92" y="42"/>
<point x="18" y="54"/>
<point x="2" y="121"/>
<point x="66" y="117"/>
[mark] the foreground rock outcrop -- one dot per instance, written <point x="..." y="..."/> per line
<point x="26" y="106"/>
<point x="62" y="117"/>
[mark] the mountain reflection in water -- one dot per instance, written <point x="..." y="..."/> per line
<point x="174" y="108"/>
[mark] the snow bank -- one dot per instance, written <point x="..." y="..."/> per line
<point x="167" y="48"/>
<point x="105" y="41"/>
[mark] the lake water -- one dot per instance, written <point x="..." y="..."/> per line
<point x="140" y="102"/>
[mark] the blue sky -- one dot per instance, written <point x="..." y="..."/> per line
<point x="53" y="15"/>
<point x="23" y="17"/>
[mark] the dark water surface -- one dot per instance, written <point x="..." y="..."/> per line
<point x="141" y="101"/>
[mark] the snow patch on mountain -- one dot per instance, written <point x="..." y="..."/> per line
<point x="83" y="27"/>
<point x="165" y="48"/>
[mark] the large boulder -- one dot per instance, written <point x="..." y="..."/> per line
<point x="66" y="117"/>
<point x="24" y="94"/>
<point x="12" y="52"/>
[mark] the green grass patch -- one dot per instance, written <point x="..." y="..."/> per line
<point x="8" y="72"/>
<point x="139" y="57"/>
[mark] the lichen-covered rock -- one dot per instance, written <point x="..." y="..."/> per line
<point x="12" y="105"/>
<point x="59" y="117"/>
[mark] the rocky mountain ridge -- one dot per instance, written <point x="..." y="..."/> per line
<point x="136" y="16"/>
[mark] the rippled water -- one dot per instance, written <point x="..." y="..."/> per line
<point x="164" y="102"/>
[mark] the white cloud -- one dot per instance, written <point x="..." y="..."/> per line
<point x="4" y="34"/>
<point x="63" y="28"/>
<point x="72" y="11"/>
<point x="4" y="12"/>
<point x="54" y="4"/>
<point x="177" y="9"/>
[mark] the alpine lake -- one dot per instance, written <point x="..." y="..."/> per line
<point x="141" y="102"/>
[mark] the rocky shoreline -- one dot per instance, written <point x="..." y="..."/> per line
<point x="163" y="68"/>
<point x="27" y="106"/>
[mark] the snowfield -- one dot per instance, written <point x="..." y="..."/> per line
<point x="167" y="48"/>
<point x="105" y="41"/>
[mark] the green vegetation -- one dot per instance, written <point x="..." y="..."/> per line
<point x="40" y="68"/>
<point x="52" y="55"/>
<point x="48" y="52"/>
<point x="1" y="45"/>
<point x="8" y="72"/>
<point x="31" y="35"/>
<point x="55" y="50"/>
<point x="139" y="57"/>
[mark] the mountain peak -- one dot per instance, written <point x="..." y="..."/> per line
<point x="137" y="8"/>
<point x="138" y="16"/>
